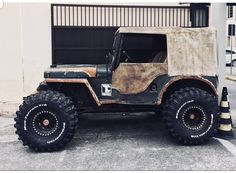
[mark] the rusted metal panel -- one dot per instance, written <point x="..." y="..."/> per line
<point x="110" y="101"/>
<point x="133" y="78"/>
<point x="190" y="51"/>
<point x="90" y="71"/>
<point x="83" y="81"/>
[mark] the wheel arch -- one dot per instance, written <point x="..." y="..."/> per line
<point x="48" y="84"/>
<point x="181" y="82"/>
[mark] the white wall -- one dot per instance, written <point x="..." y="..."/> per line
<point x="36" y="50"/>
<point x="218" y="19"/>
<point x="25" y="50"/>
<point x="11" y="86"/>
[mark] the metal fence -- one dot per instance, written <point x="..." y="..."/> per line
<point x="110" y="16"/>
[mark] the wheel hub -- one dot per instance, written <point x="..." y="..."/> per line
<point x="46" y="122"/>
<point x="194" y="118"/>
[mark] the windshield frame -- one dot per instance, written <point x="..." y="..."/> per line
<point x="116" y="49"/>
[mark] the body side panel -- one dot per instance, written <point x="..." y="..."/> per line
<point x="134" y="78"/>
<point x="152" y="95"/>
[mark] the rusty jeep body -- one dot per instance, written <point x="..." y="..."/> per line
<point x="148" y="69"/>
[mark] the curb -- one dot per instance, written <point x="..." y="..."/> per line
<point x="231" y="78"/>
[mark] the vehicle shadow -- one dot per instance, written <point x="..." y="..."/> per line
<point x="117" y="126"/>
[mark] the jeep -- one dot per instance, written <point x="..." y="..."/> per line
<point x="148" y="69"/>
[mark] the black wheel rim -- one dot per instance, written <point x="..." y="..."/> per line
<point x="45" y="123"/>
<point x="194" y="118"/>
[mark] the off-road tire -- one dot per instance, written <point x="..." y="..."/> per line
<point x="191" y="115"/>
<point x="34" y="116"/>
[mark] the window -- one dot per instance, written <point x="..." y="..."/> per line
<point x="144" y="48"/>
<point x="199" y="14"/>
<point x="230" y="11"/>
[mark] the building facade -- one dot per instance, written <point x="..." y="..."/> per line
<point x="231" y="19"/>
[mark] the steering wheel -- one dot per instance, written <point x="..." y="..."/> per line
<point x="128" y="58"/>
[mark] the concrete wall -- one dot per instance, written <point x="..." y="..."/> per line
<point x="218" y="13"/>
<point x="36" y="44"/>
<point x="25" y="51"/>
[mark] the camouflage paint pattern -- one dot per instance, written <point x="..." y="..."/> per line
<point x="190" y="51"/>
<point x="133" y="78"/>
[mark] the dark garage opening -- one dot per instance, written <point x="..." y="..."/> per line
<point x="82" y="45"/>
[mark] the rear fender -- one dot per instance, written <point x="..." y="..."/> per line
<point x="205" y="83"/>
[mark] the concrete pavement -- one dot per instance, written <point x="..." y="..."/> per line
<point x="116" y="142"/>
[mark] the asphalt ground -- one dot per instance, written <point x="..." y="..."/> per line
<point x="121" y="142"/>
